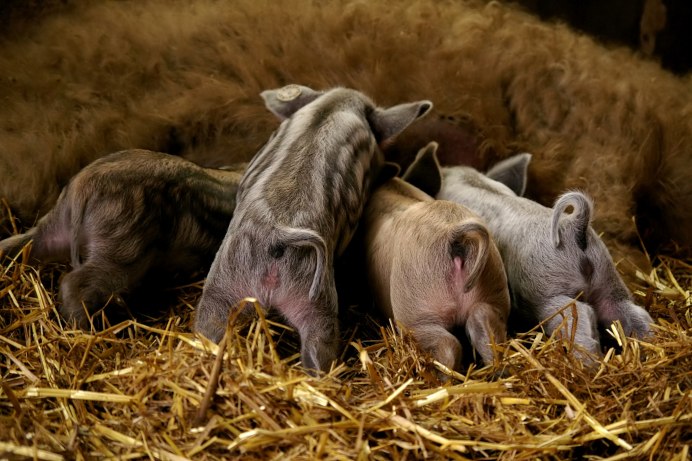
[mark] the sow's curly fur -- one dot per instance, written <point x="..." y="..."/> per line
<point x="89" y="78"/>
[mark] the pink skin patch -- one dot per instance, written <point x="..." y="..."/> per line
<point x="294" y="306"/>
<point x="462" y="301"/>
<point x="458" y="273"/>
<point x="458" y="264"/>
<point x="54" y="245"/>
<point x="270" y="280"/>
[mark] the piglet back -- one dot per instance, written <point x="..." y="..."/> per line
<point x="301" y="237"/>
<point x="575" y="225"/>
<point x="470" y="244"/>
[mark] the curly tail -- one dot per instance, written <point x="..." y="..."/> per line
<point x="301" y="237"/>
<point x="471" y="242"/>
<point x="575" y="223"/>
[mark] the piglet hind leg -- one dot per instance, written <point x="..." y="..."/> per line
<point x="88" y="288"/>
<point x="319" y="343"/>
<point x="214" y="310"/>
<point x="317" y="323"/>
<point x="437" y="341"/>
<point x="486" y="326"/>
<point x="635" y="320"/>
<point x="575" y="321"/>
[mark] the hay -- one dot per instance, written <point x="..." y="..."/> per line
<point x="151" y="389"/>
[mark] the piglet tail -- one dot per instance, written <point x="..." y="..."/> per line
<point x="300" y="237"/>
<point x="576" y="222"/>
<point x="470" y="244"/>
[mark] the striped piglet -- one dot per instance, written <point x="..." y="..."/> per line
<point x="297" y="208"/>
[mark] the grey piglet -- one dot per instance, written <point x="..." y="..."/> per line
<point x="558" y="268"/>
<point x="126" y="216"/>
<point x="298" y="206"/>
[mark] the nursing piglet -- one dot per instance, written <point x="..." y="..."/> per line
<point x="433" y="266"/>
<point x="298" y="206"/>
<point x="127" y="216"/>
<point x="558" y="268"/>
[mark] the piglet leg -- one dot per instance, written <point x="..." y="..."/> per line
<point x="572" y="320"/>
<point x="485" y="327"/>
<point x="634" y="319"/>
<point x="317" y="323"/>
<point x="319" y="343"/>
<point x="89" y="288"/>
<point x="214" y="310"/>
<point x="440" y="343"/>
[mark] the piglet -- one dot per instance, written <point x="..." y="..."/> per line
<point x="129" y="215"/>
<point x="433" y="267"/>
<point x="297" y="207"/>
<point x="558" y="268"/>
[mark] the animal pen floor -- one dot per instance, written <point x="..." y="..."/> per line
<point x="134" y="389"/>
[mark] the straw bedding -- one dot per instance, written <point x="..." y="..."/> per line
<point x="145" y="387"/>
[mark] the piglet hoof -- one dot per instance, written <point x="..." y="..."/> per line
<point x="213" y="323"/>
<point x="318" y="356"/>
<point x="585" y="351"/>
<point x="499" y="374"/>
<point x="638" y="325"/>
<point x="77" y="318"/>
<point x="215" y="311"/>
<point x="441" y="344"/>
<point x="78" y="299"/>
<point x="443" y="377"/>
<point x="318" y="359"/>
<point x="635" y="321"/>
<point x="444" y="374"/>
<point x="213" y="333"/>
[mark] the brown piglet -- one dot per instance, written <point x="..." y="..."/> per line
<point x="433" y="266"/>
<point x="127" y="217"/>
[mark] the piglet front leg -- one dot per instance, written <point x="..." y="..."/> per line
<point x="92" y="284"/>
<point x="85" y="290"/>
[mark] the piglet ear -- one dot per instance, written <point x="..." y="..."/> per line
<point x="284" y="102"/>
<point x="389" y="170"/>
<point x="425" y="172"/>
<point x="512" y="172"/>
<point x="387" y="123"/>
